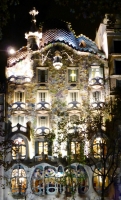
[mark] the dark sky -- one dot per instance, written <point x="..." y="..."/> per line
<point x="20" y="23"/>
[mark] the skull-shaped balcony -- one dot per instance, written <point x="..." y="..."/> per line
<point x="19" y="80"/>
<point x="42" y="107"/>
<point x="97" y="105"/>
<point x="73" y="107"/>
<point x="96" y="83"/>
<point x="42" y="131"/>
<point x="97" y="100"/>
<point x="18" y="108"/>
<point x="19" y="128"/>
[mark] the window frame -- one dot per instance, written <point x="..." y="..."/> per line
<point x="76" y="73"/>
<point x="23" y="95"/>
<point x="46" y="95"/>
<point x="39" y="123"/>
<point x="70" y="99"/>
<point x="19" y="146"/>
<point x="15" y="121"/>
<point x="93" y="75"/>
<point x="39" y="76"/>
<point x="116" y="60"/>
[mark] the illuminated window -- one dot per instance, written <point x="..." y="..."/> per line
<point x="95" y="72"/>
<point x="99" y="147"/>
<point x="75" y="148"/>
<point x="44" y="181"/>
<point x="19" y="96"/>
<point x="19" y="149"/>
<point x="97" y="179"/>
<point x="72" y="75"/>
<point x="42" y="121"/>
<point x="42" y="75"/>
<point x="43" y="147"/>
<point x="83" y="180"/>
<point x="18" y="181"/>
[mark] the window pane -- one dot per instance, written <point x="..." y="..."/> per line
<point x="73" y="96"/>
<point x="19" y="96"/>
<point x="118" y="67"/>
<point x="72" y="75"/>
<point x="117" y="46"/>
<point x="43" y="121"/>
<point x="42" y="75"/>
<point x="19" y="149"/>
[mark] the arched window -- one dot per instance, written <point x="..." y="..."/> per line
<point x="99" y="147"/>
<point x="98" y="179"/>
<point x="47" y="180"/>
<point x="18" y="181"/>
<point x="19" y="149"/>
<point x="70" y="180"/>
<point x="82" y="179"/>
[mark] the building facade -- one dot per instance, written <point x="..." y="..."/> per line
<point x="57" y="72"/>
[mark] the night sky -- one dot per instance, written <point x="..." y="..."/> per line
<point x="20" y="23"/>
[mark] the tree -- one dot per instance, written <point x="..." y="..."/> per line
<point x="90" y="9"/>
<point x="5" y="12"/>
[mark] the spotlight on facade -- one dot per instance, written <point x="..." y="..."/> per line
<point x="57" y="60"/>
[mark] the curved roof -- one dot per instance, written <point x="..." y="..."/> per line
<point x="58" y="31"/>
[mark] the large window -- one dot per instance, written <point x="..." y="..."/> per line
<point x="18" y="149"/>
<point x="98" y="179"/>
<point x="99" y="147"/>
<point x="41" y="148"/>
<point x="72" y="75"/>
<point x="18" y="181"/>
<point x="42" y="75"/>
<point x="19" y="96"/>
<point x="44" y="181"/>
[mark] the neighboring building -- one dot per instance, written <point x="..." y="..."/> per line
<point x="56" y="71"/>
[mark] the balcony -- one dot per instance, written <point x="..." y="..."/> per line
<point x="42" y="107"/>
<point x="97" y="105"/>
<point x="18" y="108"/>
<point x="19" y="80"/>
<point x="73" y="107"/>
<point x="42" y="131"/>
<point x="19" y="128"/>
<point x="96" y="82"/>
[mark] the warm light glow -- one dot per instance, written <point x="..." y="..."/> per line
<point x="11" y="50"/>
